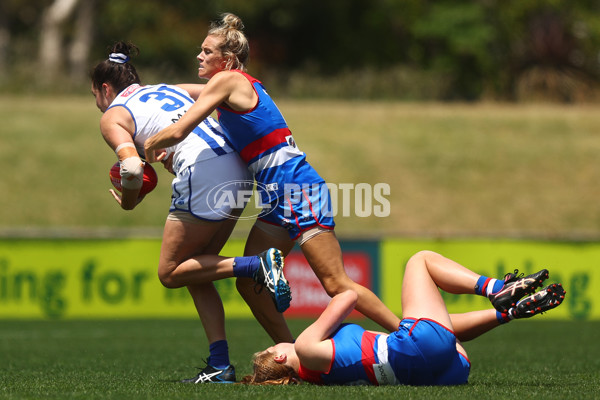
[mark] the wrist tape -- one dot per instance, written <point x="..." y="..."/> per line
<point x="132" y="173"/>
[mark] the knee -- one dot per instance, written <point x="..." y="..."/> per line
<point x="166" y="278"/>
<point x="337" y="285"/>
<point x="167" y="281"/>
<point x="423" y="256"/>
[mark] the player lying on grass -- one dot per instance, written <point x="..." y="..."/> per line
<point x="425" y="350"/>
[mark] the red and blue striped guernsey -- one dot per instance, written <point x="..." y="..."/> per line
<point x="263" y="140"/>
<point x="359" y="357"/>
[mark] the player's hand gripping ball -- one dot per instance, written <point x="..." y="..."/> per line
<point x="150" y="178"/>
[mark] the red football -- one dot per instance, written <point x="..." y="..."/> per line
<point x="150" y="178"/>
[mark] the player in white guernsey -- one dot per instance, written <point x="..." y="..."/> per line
<point x="197" y="226"/>
<point x="155" y="106"/>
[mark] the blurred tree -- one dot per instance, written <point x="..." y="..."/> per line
<point x="66" y="33"/>
<point x="550" y="49"/>
<point x="51" y="53"/>
<point x="167" y="33"/>
<point x="4" y="38"/>
<point x="451" y="49"/>
<point x="82" y="39"/>
<point x="456" y="38"/>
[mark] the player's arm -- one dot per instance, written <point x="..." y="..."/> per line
<point x="215" y="92"/>
<point x="193" y="89"/>
<point x="312" y="345"/>
<point x="117" y="129"/>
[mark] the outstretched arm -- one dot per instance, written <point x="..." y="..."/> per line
<point x="312" y="346"/>
<point x="193" y="89"/>
<point x="216" y="91"/>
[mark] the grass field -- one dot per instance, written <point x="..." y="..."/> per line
<point x="531" y="359"/>
<point x="461" y="169"/>
<point x="453" y="169"/>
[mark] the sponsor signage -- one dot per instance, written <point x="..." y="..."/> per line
<point x="576" y="265"/>
<point x="308" y="296"/>
<point x="117" y="278"/>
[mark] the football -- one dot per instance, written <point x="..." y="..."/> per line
<point x="150" y="178"/>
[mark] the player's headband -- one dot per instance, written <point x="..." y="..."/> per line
<point x="118" y="58"/>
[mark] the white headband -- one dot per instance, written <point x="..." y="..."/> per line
<point x="118" y="58"/>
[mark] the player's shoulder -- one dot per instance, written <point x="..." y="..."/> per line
<point x="227" y="83"/>
<point x="117" y="116"/>
<point x="230" y="77"/>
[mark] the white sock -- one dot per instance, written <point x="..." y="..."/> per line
<point x="490" y="287"/>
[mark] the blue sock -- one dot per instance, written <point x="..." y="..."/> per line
<point x="498" y="285"/>
<point x="245" y="267"/>
<point x="486" y="286"/>
<point x="219" y="354"/>
<point x="481" y="286"/>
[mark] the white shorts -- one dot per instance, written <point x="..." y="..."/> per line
<point x="208" y="189"/>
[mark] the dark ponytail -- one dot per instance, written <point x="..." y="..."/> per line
<point x="116" y="70"/>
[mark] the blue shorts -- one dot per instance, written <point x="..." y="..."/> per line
<point x="299" y="210"/>
<point x="423" y="352"/>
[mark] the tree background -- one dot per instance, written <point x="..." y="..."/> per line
<point x="509" y="50"/>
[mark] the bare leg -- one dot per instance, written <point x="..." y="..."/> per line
<point x="181" y="241"/>
<point x="421" y="298"/>
<point x="210" y="310"/>
<point x="425" y="272"/>
<point x="189" y="253"/>
<point x="324" y="255"/>
<point x="206" y="297"/>
<point x="449" y="276"/>
<point x="199" y="269"/>
<point x="470" y="325"/>
<point x="420" y="295"/>
<point x="261" y="304"/>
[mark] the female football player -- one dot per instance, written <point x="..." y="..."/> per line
<point x="197" y="226"/>
<point x="426" y="347"/>
<point x="298" y="206"/>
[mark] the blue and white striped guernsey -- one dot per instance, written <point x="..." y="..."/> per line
<point x="155" y="107"/>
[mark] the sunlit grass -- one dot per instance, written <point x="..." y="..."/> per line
<point x="467" y="169"/>
<point x="129" y="359"/>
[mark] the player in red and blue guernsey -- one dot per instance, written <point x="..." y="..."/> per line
<point x="426" y="348"/>
<point x="297" y="206"/>
<point x="270" y="152"/>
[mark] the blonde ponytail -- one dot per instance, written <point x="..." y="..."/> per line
<point x="234" y="47"/>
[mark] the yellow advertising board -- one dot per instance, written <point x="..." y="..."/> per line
<point x="68" y="279"/>
<point x="95" y="279"/>
<point x="575" y="265"/>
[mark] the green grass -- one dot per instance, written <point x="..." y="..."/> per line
<point x="140" y="360"/>
<point x="454" y="169"/>
<point x="492" y="169"/>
